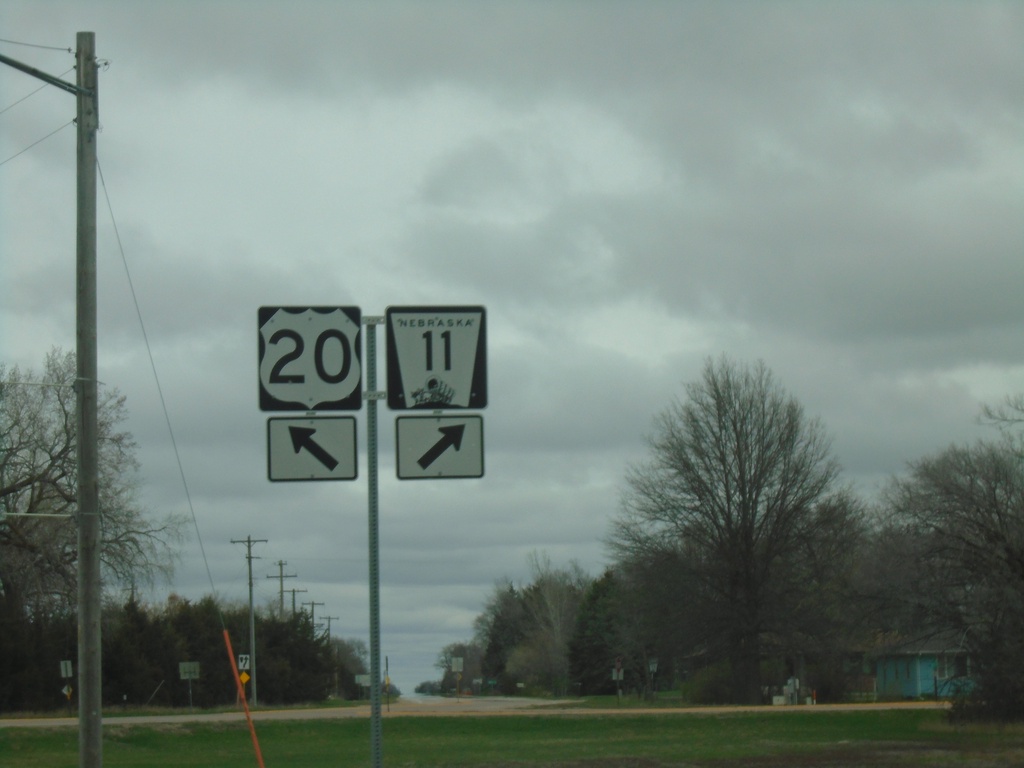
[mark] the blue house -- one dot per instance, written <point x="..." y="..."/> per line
<point x="926" y="670"/>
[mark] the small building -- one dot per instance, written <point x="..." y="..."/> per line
<point x="926" y="669"/>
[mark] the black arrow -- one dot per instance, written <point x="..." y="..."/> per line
<point x="451" y="437"/>
<point x="302" y="437"/>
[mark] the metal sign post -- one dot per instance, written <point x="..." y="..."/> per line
<point x="372" y="396"/>
<point x="189" y="670"/>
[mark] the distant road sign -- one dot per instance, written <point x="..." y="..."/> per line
<point x="437" y="357"/>
<point x="243" y="662"/>
<point x="311" y="448"/>
<point x="310" y="359"/>
<point x="431" y="447"/>
<point x="188" y="670"/>
<point x="66" y="669"/>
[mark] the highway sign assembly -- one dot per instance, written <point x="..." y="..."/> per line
<point x="437" y="357"/>
<point x="311" y="448"/>
<point x="310" y="359"/>
<point x="188" y="670"/>
<point x="430" y="447"/>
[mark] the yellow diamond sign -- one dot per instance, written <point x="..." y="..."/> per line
<point x="244" y="677"/>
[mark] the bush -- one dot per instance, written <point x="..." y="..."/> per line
<point x="710" y="685"/>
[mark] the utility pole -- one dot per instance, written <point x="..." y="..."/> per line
<point x="90" y="536"/>
<point x="331" y="650"/>
<point x="281" y="576"/>
<point x="312" y="614"/>
<point x="249" y="541"/>
<point x="293" y="591"/>
<point x="90" y="658"/>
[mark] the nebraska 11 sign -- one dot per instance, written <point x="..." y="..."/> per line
<point x="437" y="357"/>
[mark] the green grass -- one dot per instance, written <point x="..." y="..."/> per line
<point x="897" y="737"/>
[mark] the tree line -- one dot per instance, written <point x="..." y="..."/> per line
<point x="739" y="560"/>
<point x="144" y="646"/>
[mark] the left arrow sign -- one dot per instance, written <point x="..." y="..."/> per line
<point x="302" y="437"/>
<point x="311" y="448"/>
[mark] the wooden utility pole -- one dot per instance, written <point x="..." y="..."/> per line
<point x="312" y="614"/>
<point x="293" y="591"/>
<point x="90" y="659"/>
<point x="249" y="541"/>
<point x="281" y="576"/>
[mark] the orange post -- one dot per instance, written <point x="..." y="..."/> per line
<point x="245" y="704"/>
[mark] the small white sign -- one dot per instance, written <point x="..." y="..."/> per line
<point x="243" y="662"/>
<point x="312" y="448"/>
<point x="66" y="669"/>
<point x="431" y="447"/>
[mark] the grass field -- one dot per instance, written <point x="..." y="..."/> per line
<point x="761" y="740"/>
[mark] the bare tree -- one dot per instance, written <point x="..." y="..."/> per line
<point x="1008" y="415"/>
<point x="38" y="541"/>
<point x="964" y="508"/>
<point x="739" y="490"/>
<point x="552" y="601"/>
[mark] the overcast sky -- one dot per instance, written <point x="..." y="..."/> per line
<point x="627" y="187"/>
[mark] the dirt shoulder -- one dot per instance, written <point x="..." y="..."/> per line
<point x="430" y="706"/>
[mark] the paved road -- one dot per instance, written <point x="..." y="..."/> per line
<point x="441" y="707"/>
<point x="415" y="706"/>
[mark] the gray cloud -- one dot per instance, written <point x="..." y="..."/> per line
<point x="830" y="187"/>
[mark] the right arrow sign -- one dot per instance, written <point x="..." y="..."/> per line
<point x="439" y="447"/>
<point x="451" y="437"/>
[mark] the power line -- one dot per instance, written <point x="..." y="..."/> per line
<point x="33" y="93"/>
<point x="36" y="45"/>
<point x="40" y="141"/>
<point x="159" y="388"/>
